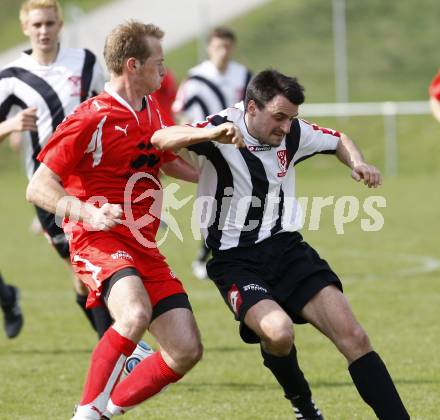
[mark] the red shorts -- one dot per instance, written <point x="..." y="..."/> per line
<point x="98" y="255"/>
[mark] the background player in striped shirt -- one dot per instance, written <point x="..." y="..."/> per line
<point x="268" y="276"/>
<point x="37" y="91"/>
<point x="211" y="86"/>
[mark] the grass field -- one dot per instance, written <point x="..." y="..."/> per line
<point x="391" y="276"/>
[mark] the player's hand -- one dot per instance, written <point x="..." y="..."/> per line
<point x="368" y="173"/>
<point x="25" y="120"/>
<point x="105" y="217"/>
<point x="228" y="133"/>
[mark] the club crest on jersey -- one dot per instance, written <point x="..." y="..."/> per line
<point x="282" y="162"/>
<point x="234" y="298"/>
<point x="75" y="85"/>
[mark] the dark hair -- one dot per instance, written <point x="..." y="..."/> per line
<point x="222" y="32"/>
<point x="267" y="84"/>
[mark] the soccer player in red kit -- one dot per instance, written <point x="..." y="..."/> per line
<point x="100" y="171"/>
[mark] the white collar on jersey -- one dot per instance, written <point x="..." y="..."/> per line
<point x="122" y="101"/>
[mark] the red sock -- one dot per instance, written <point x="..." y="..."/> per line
<point x="149" y="377"/>
<point x="105" y="367"/>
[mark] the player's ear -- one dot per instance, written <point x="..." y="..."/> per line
<point x="24" y="28"/>
<point x="251" y="107"/>
<point x="131" y="64"/>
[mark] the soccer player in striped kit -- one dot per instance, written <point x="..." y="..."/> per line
<point x="37" y="91"/>
<point x="267" y="275"/>
<point x="211" y="86"/>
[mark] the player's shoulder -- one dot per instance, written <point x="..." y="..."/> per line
<point x="235" y="113"/>
<point x="76" y="52"/>
<point x="19" y="62"/>
<point x="200" y="69"/>
<point x="234" y="65"/>
<point x="436" y="80"/>
<point x="232" y="114"/>
<point x="75" y="57"/>
<point x="305" y="127"/>
<point x="92" y="110"/>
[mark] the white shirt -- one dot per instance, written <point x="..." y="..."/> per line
<point x="207" y="90"/>
<point x="247" y="195"/>
<point x="55" y="90"/>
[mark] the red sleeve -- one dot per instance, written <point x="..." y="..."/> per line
<point x="434" y="87"/>
<point x="68" y="144"/>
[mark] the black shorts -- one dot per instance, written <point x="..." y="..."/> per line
<point x="54" y="233"/>
<point x="282" y="268"/>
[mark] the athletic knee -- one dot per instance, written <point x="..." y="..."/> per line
<point x="188" y="354"/>
<point x="355" y="342"/>
<point x="278" y="336"/>
<point x="133" y="322"/>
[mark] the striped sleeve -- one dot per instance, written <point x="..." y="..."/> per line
<point x="315" y="139"/>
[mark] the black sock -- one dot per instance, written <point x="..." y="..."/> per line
<point x="81" y="301"/>
<point x="376" y="387"/>
<point x="289" y="375"/>
<point x="102" y="319"/>
<point x="5" y="293"/>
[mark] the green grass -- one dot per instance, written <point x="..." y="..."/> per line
<point x="10" y="30"/>
<point x="383" y="278"/>
<point x="385" y="273"/>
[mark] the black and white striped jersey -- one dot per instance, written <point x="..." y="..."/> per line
<point x="247" y="195"/>
<point x="55" y="90"/>
<point x="207" y="91"/>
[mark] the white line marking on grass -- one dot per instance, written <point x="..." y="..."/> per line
<point x="418" y="264"/>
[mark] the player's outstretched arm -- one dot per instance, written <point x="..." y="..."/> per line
<point x="348" y="153"/>
<point x="25" y="120"/>
<point x="45" y="191"/>
<point x="176" y="137"/>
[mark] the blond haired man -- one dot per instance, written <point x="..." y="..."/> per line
<point x="105" y="145"/>
<point x="37" y="91"/>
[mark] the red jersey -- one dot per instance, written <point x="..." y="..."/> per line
<point x="434" y="87"/>
<point x="104" y="150"/>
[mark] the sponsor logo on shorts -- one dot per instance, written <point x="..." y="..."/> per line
<point x="234" y="298"/>
<point x="254" y="288"/>
<point x="122" y="255"/>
